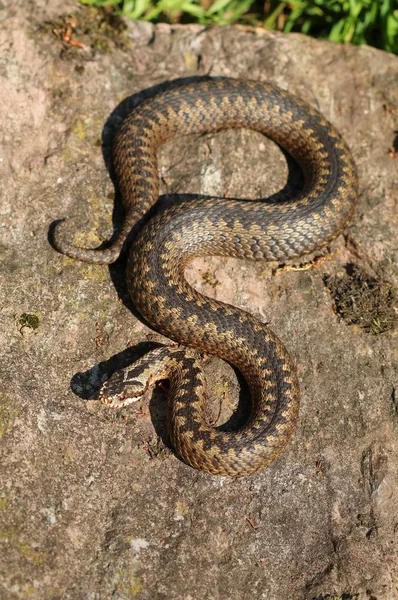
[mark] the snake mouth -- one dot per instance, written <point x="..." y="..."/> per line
<point x="120" y="400"/>
<point x="116" y="398"/>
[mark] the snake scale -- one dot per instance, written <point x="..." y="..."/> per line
<point x="253" y="230"/>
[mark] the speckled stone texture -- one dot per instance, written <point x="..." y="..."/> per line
<point x="93" y="503"/>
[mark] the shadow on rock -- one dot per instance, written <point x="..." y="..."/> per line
<point x="87" y="384"/>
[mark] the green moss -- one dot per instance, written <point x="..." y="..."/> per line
<point x="128" y="584"/>
<point x="30" y="320"/>
<point x="8" y="413"/>
<point x="209" y="278"/>
<point x="79" y="129"/>
<point x="10" y="537"/>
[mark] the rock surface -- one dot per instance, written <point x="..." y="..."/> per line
<point x="93" y="504"/>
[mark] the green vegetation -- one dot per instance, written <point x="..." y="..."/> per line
<point x="373" y="22"/>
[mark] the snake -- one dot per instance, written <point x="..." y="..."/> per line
<point x="257" y="230"/>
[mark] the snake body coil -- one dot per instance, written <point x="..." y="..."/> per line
<point x="252" y="230"/>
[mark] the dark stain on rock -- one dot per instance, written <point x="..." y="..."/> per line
<point x="363" y="299"/>
<point x="374" y="465"/>
<point x="344" y="596"/>
<point x="87" y="31"/>
<point x="29" y="320"/>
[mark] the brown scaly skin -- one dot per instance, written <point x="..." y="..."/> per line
<point x="250" y="230"/>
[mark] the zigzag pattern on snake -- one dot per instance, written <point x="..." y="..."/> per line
<point x="253" y="230"/>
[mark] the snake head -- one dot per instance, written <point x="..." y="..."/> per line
<point x="120" y="390"/>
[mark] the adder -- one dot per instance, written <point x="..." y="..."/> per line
<point x="252" y="230"/>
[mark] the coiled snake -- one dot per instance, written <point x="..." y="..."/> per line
<point x="253" y="230"/>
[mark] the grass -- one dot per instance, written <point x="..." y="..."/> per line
<point x="372" y="22"/>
